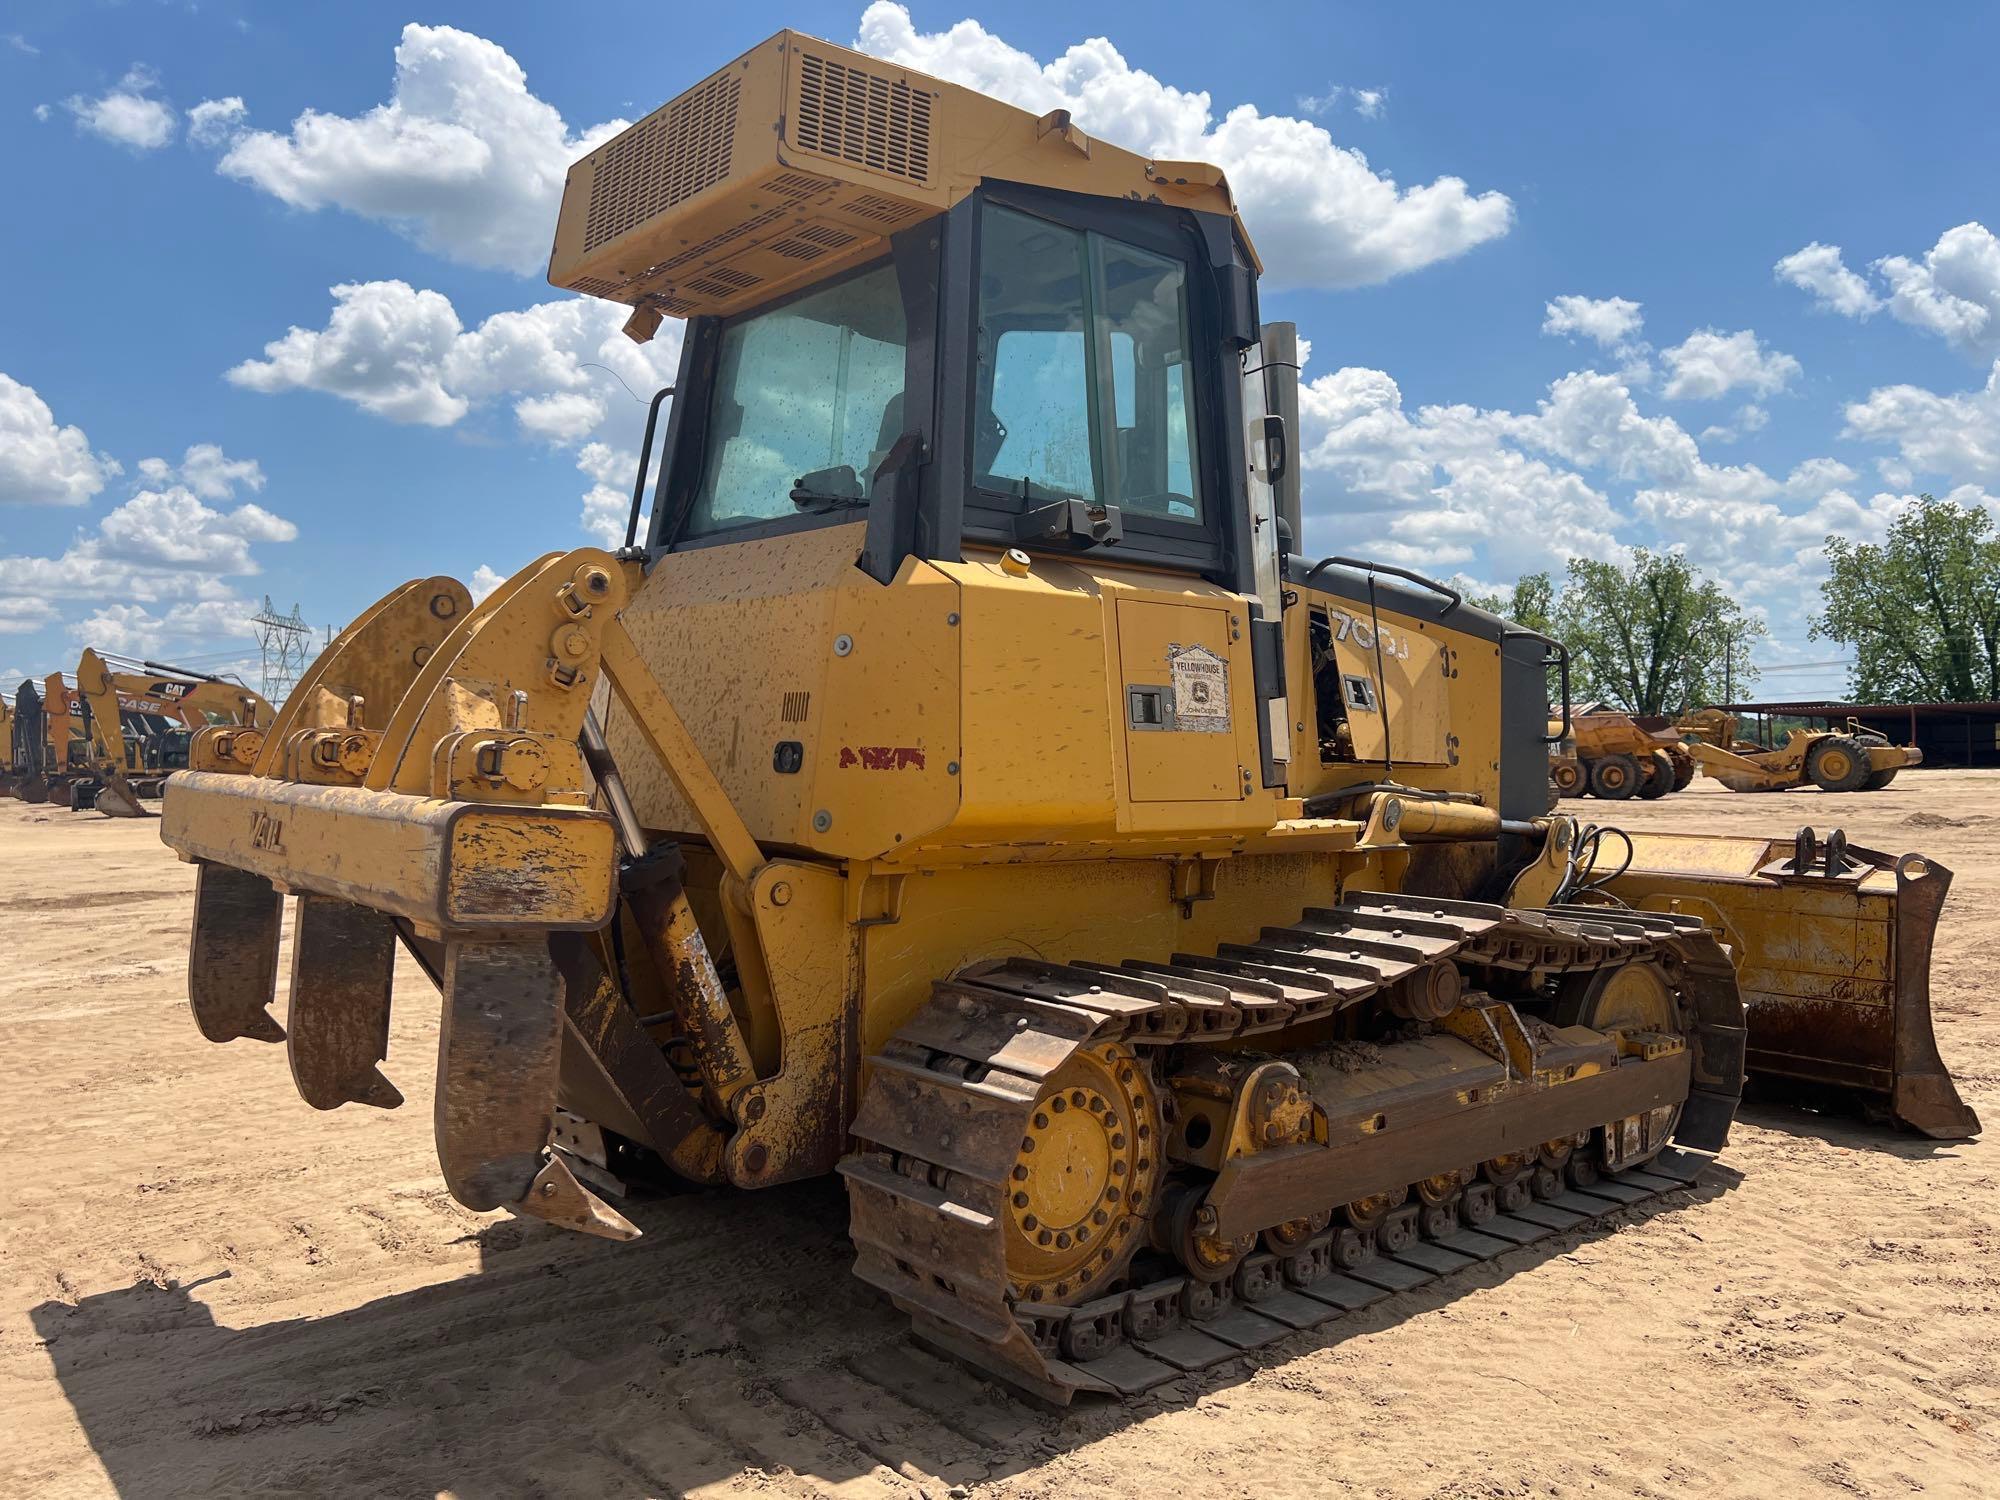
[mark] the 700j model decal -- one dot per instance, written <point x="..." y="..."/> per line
<point x="1363" y="634"/>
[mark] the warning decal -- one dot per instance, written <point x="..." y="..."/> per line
<point x="1201" y="689"/>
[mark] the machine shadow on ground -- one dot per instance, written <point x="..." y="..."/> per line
<point x="571" y="1367"/>
<point x="1844" y="1128"/>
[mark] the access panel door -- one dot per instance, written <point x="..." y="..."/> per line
<point x="1180" y="727"/>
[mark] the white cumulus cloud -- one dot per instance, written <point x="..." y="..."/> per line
<point x="1708" y="364"/>
<point x="462" y="157"/>
<point x="22" y="617"/>
<point x="383" y="348"/>
<point x="127" y="114"/>
<point x="484" y="581"/>
<point x="134" y="630"/>
<point x="1320" y="214"/>
<point x="1749" y="418"/>
<point x="403" y="354"/>
<point x="206" y="470"/>
<point x="1952" y="291"/>
<point x="170" y="528"/>
<point x="1955" y="435"/>
<point x="159" y="545"/>
<point x="1819" y="269"/>
<point x="41" y="463"/>
<point x="1494" y="493"/>
<point x="1611" y="322"/>
<point x="214" y="121"/>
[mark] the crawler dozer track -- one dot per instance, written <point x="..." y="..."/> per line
<point x="944" y="1186"/>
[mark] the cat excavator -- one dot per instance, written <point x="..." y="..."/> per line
<point x="139" y="718"/>
<point x="964" y="785"/>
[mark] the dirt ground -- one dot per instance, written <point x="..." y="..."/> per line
<point x="206" y="1288"/>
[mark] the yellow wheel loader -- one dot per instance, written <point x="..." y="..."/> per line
<point x="964" y="788"/>
<point x="1849" y="760"/>
<point x="140" y="723"/>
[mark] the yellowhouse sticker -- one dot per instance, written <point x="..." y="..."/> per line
<point x="1201" y="689"/>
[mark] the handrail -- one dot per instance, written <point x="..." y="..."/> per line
<point x="1361" y="565"/>
<point x="1559" y="659"/>
<point x="645" y="463"/>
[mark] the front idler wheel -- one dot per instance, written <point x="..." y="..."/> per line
<point x="1633" y="1003"/>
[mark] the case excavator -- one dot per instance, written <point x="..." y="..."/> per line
<point x="964" y="786"/>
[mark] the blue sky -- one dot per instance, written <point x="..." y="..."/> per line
<point x="1574" y="278"/>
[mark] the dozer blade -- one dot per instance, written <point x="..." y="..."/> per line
<point x="1833" y="948"/>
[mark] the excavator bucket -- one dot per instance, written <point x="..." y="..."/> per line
<point x="1833" y="947"/>
<point x="116" y="797"/>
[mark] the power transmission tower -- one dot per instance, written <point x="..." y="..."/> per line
<point x="284" y="639"/>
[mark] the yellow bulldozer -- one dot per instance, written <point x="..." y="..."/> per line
<point x="1607" y="755"/>
<point x="964" y="787"/>
<point x="1849" y="760"/>
<point x="140" y="718"/>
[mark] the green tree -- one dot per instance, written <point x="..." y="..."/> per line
<point x="1527" y="603"/>
<point x="1652" y="635"/>
<point x="1922" y="610"/>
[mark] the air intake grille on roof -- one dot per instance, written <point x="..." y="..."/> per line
<point x="812" y="241"/>
<point x="798" y="184"/>
<point x="884" y="211"/>
<point x="716" y="242"/>
<point x="665" y="159"/>
<point x="861" y="117"/>
<point x="722" y="281"/>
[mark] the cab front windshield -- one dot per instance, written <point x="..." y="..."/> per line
<point x="808" y="396"/>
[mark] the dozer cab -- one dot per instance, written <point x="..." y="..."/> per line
<point x="140" y="718"/>
<point x="1608" y="755"/>
<point x="1848" y="760"/>
<point x="963" y="788"/>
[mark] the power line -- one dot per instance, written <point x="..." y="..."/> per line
<point x="284" y="639"/>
